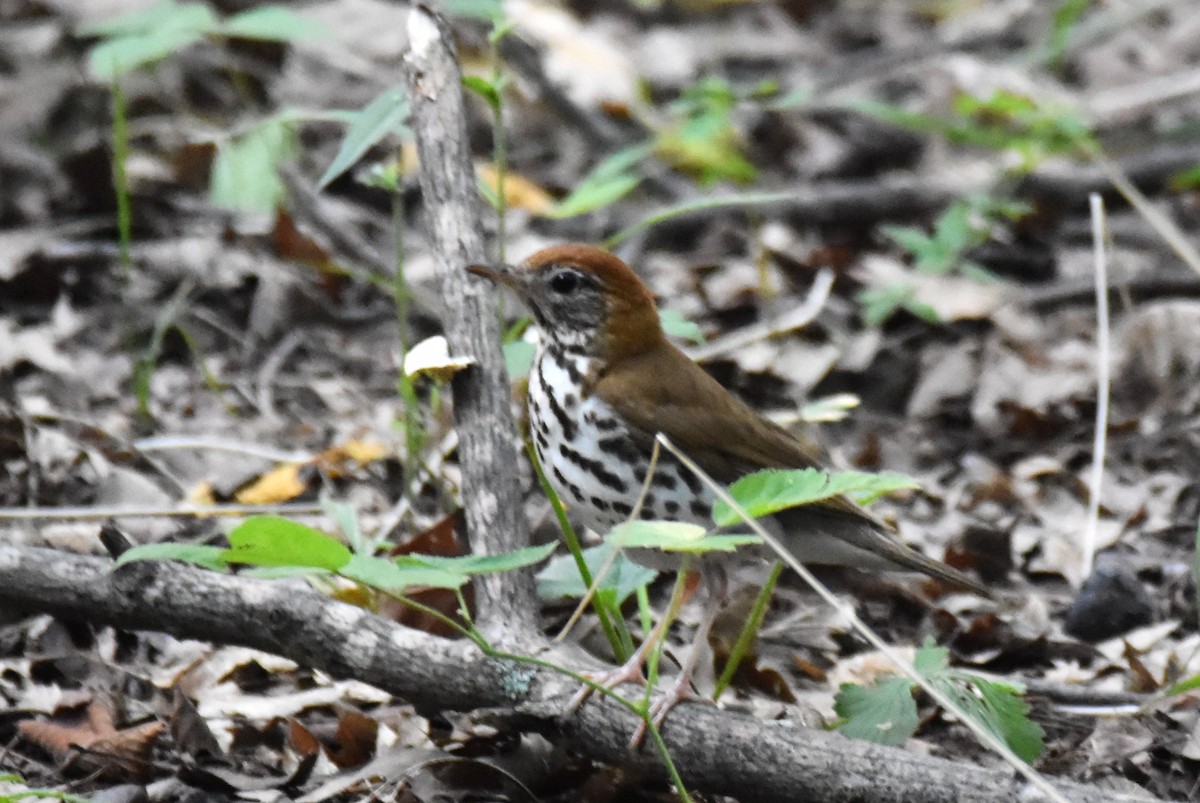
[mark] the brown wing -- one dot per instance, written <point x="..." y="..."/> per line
<point x="662" y="390"/>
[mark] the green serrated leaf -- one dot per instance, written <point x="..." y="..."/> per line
<point x="884" y="713"/>
<point x="275" y="541"/>
<point x="1011" y="716"/>
<point x="485" y="564"/>
<point x="674" y="536"/>
<point x="559" y="579"/>
<point x="207" y="556"/>
<point x="675" y="325"/>
<point x="765" y="492"/>
<point x="273" y="23"/>
<point x="380" y="118"/>
<point x="996" y="705"/>
<point x="389" y="575"/>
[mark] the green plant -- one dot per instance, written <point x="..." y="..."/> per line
<point x="274" y="546"/>
<point x="28" y="794"/>
<point x="244" y="175"/>
<point x="887" y="713"/>
<point x="701" y="138"/>
<point x="1004" y="121"/>
<point x="141" y="38"/>
<point x="964" y="225"/>
<point x="491" y="89"/>
<point x="167" y="321"/>
<point x="1063" y="23"/>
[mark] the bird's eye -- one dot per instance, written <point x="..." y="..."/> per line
<point x="564" y="282"/>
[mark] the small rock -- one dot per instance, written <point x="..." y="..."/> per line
<point x="1111" y="602"/>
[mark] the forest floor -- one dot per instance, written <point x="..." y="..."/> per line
<point x="243" y="347"/>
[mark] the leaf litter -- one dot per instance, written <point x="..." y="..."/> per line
<point x="990" y="408"/>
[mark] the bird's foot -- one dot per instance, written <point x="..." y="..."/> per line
<point x="629" y="672"/>
<point x="680" y="691"/>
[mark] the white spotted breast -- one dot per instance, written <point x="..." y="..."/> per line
<point x="595" y="466"/>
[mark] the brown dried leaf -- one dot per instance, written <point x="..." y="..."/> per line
<point x="113" y="753"/>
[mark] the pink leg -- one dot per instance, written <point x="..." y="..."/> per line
<point x="631" y="671"/>
<point x="681" y="687"/>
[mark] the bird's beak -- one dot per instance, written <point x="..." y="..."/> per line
<point x="501" y="274"/>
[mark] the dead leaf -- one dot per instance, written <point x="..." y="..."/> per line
<point x="94" y="744"/>
<point x="519" y="192"/>
<point x="280" y="484"/>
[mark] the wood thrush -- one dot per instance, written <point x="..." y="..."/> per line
<point x="606" y="380"/>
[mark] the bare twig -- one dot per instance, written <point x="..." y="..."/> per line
<point x="98" y="513"/>
<point x="487" y="441"/>
<point x="1102" y="386"/>
<point x="790" y="321"/>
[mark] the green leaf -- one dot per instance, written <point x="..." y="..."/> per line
<point x="909" y="238"/>
<point x="996" y="705"/>
<point x="113" y="58"/>
<point x="381" y="117"/>
<point x="675" y="325"/>
<point x="490" y="10"/>
<point x="674" y="536"/>
<point x="1008" y="714"/>
<point x="245" y="174"/>
<point x="389" y="575"/>
<point x="199" y="554"/>
<point x="275" y="541"/>
<point x="931" y="660"/>
<point x="596" y="194"/>
<point x="272" y="23"/>
<point x="1181" y="687"/>
<point x="487" y="564"/>
<point x="1188" y="179"/>
<point x="608" y="182"/>
<point x="881" y="303"/>
<point x="765" y="492"/>
<point x="484" y="88"/>
<point x="796" y="99"/>
<point x="884" y="713"/>
<point x="518" y="357"/>
<point x="160" y="16"/>
<point x="559" y="579"/>
<point x="345" y="518"/>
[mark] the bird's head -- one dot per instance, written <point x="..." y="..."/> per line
<point x="583" y="298"/>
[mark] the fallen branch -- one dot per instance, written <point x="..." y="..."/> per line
<point x="718" y="752"/>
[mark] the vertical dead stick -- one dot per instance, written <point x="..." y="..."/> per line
<point x="487" y="446"/>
